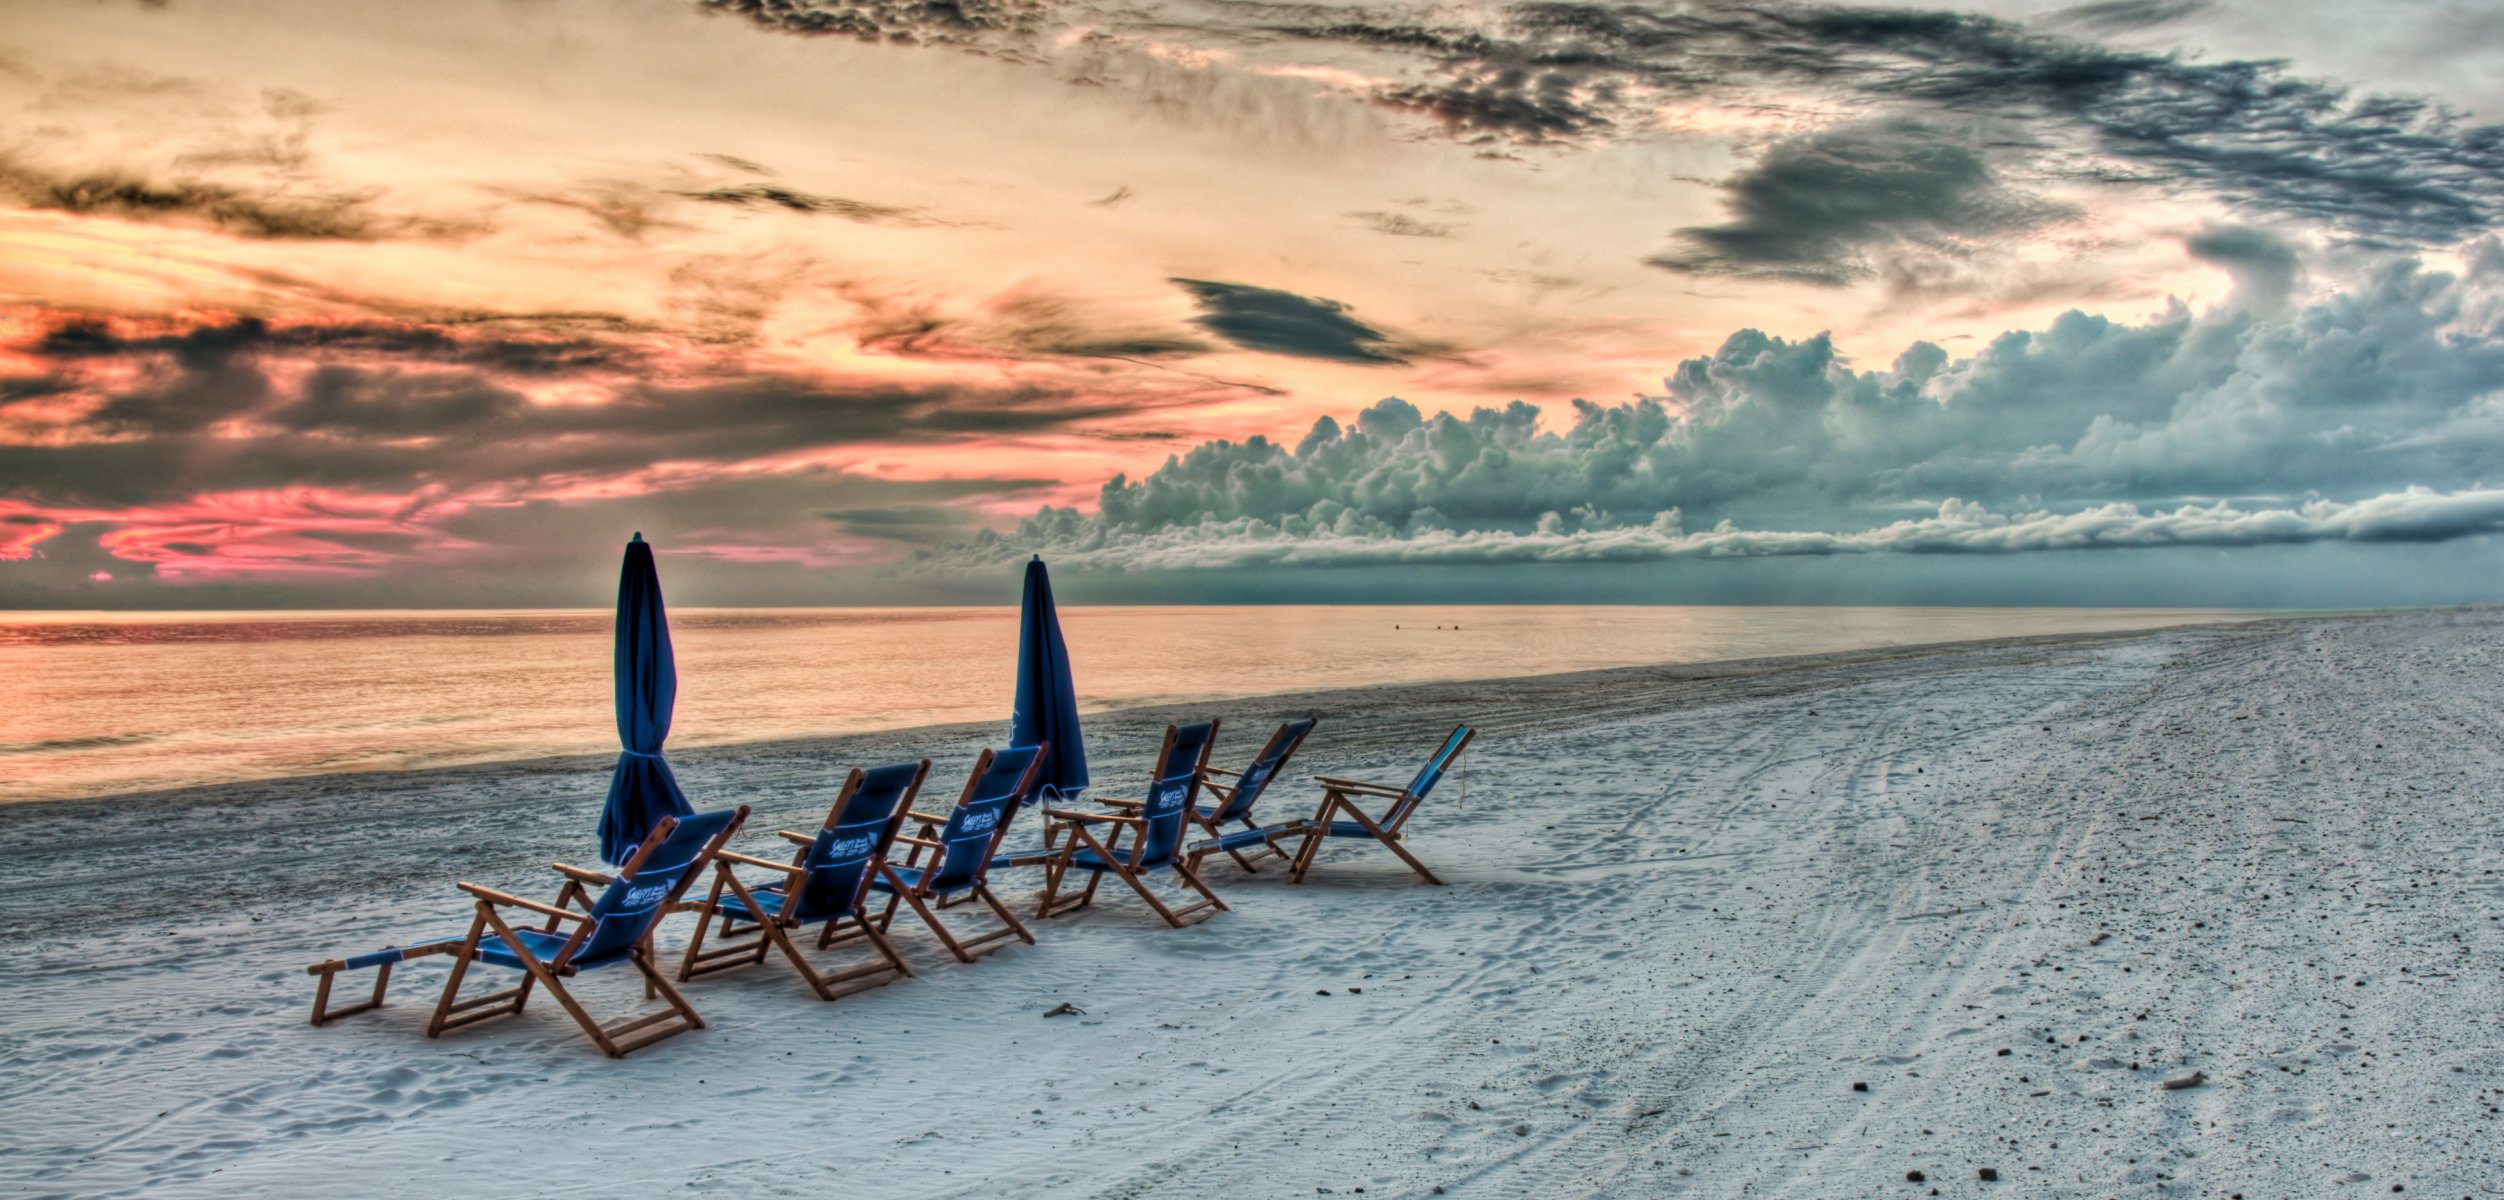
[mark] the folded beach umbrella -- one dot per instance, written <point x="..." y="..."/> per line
<point x="642" y="791"/>
<point x="1047" y="697"/>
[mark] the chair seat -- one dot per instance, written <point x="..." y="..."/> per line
<point x="1345" y="829"/>
<point x="770" y="899"/>
<point x="1092" y="861"/>
<point x="543" y="945"/>
<point x="1235" y="838"/>
<point x="912" y="877"/>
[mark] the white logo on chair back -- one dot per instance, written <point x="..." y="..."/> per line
<point x="1252" y="779"/>
<point x="645" y="895"/>
<point x="981" y="822"/>
<point x="847" y="849"/>
<point x="1170" y="797"/>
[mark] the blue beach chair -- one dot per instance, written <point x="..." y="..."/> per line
<point x="1155" y="829"/>
<point x="1235" y="796"/>
<point x="950" y="860"/>
<point x="615" y="928"/>
<point x="1340" y="796"/>
<point x="823" y="885"/>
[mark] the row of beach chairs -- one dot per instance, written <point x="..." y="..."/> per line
<point x="847" y="880"/>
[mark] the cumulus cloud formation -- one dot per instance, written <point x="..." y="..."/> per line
<point x="2376" y="414"/>
<point x="1277" y="322"/>
<point x="1957" y="528"/>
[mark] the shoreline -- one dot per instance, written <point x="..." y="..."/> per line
<point x="958" y="733"/>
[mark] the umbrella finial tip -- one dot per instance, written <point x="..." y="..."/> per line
<point x="638" y="536"/>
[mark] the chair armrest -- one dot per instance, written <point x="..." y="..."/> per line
<point x="920" y="841"/>
<point x="1356" y="785"/>
<point x="1118" y="803"/>
<point x="1094" y="818"/>
<point x="581" y="875"/>
<point x="919" y="815"/>
<point x="728" y="856"/>
<point x="1218" y="771"/>
<point x="799" y="839"/>
<point x="492" y="896"/>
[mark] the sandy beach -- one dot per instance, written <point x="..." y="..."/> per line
<point x="1792" y="927"/>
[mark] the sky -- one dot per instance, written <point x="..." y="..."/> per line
<point x="2139" y="302"/>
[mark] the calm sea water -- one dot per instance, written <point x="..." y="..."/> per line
<point x="101" y="703"/>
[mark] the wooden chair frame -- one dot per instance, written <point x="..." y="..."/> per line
<point x="929" y="903"/>
<point x="1225" y="793"/>
<point x="743" y="943"/>
<point x="1341" y="795"/>
<point x="1072" y="832"/>
<point x="616" y="1038"/>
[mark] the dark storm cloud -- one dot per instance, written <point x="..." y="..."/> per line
<point x="2265" y="268"/>
<point x="2393" y="169"/>
<point x="1814" y="209"/>
<point x="245" y="405"/>
<point x="198" y="346"/>
<point x="1277" y="322"/>
<point x="1516" y="102"/>
<point x="920" y="524"/>
<point x="2396" y="170"/>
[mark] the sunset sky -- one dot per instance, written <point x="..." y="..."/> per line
<point x="2136" y="302"/>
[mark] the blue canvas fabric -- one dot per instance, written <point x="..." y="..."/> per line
<point x="1169" y="799"/>
<point x="641" y="790"/>
<point x="1429" y="775"/>
<point x="839" y="861"/>
<point x="1255" y="778"/>
<point x="627" y="910"/>
<point x="1046" y="711"/>
<point x="974" y="828"/>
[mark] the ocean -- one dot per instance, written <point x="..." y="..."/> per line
<point x="101" y="704"/>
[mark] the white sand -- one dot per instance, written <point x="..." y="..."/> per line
<point x="1690" y="908"/>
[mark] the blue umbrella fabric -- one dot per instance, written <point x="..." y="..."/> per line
<point x="1047" y="695"/>
<point x="642" y="790"/>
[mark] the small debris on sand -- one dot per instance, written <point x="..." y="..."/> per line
<point x="1065" y="1009"/>
<point x="2184" y="1082"/>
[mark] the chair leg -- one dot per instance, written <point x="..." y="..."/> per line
<point x="704" y="923"/>
<point x="1191" y="875"/>
<point x="1009" y="918"/>
<point x="1410" y="859"/>
<point x="1304" y="856"/>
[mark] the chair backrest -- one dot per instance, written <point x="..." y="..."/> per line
<point x="859" y="830"/>
<point x="661" y="868"/>
<point x="1002" y="781"/>
<point x="1172" y="792"/>
<point x="1272" y="759"/>
<point x="1429" y="775"/>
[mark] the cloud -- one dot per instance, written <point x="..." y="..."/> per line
<point x="1815" y="209"/>
<point x="966" y="24"/>
<point x="2399" y="170"/>
<point x="1402" y="225"/>
<point x="2122" y="16"/>
<point x="2373" y="414"/>
<point x="1278" y="322"/>
<point x="791" y="200"/>
<point x="244" y="447"/>
<point x="273" y="212"/>
<point x="1958" y="527"/>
